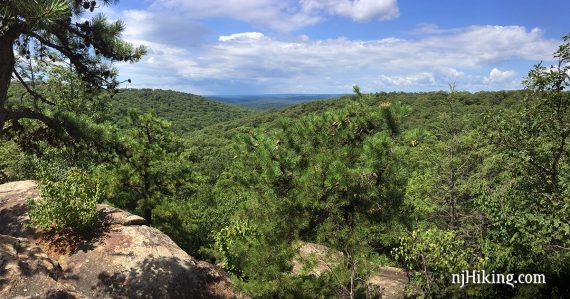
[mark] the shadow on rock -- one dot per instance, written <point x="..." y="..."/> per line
<point x="163" y="277"/>
<point x="14" y="221"/>
<point x="68" y="241"/>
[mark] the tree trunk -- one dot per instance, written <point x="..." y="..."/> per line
<point x="7" y="62"/>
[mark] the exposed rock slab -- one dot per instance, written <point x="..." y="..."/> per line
<point x="387" y="282"/>
<point x="114" y="216"/>
<point x="28" y="272"/>
<point x="13" y="218"/>
<point x="141" y="262"/>
<point x="127" y="260"/>
<point x="391" y="282"/>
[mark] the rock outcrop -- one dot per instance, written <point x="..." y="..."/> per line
<point x="390" y="281"/>
<point x="387" y="282"/>
<point x="124" y="259"/>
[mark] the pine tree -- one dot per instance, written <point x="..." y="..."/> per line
<point x="441" y="198"/>
<point x="51" y="31"/>
<point x="336" y="178"/>
<point x="151" y="170"/>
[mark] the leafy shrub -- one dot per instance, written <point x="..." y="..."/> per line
<point x="14" y="164"/>
<point x="69" y="202"/>
<point x="436" y="254"/>
<point x="228" y="241"/>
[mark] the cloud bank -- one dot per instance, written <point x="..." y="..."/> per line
<point x="245" y="62"/>
<point x="282" y="15"/>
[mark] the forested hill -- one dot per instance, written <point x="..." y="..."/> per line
<point x="271" y="101"/>
<point x="187" y="112"/>
<point x="422" y="106"/>
<point x="336" y="196"/>
<point x="211" y="146"/>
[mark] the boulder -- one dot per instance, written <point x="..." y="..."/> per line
<point x="123" y="259"/>
<point x="141" y="262"/>
<point x="114" y="216"/>
<point x="387" y="282"/>
<point x="321" y="259"/>
<point x="28" y="272"/>
<point x="390" y="281"/>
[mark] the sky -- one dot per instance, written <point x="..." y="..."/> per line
<point x="223" y="47"/>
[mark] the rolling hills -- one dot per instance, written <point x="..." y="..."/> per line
<point x="187" y="112"/>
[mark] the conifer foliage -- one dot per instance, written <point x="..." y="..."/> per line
<point x="151" y="170"/>
<point x="333" y="179"/>
<point x="55" y="31"/>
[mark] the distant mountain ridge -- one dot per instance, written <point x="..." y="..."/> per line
<point x="271" y="101"/>
<point x="190" y="112"/>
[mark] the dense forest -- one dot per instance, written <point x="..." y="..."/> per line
<point x="271" y="101"/>
<point x="186" y="112"/>
<point x="432" y="182"/>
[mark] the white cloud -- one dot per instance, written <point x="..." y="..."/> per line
<point x="242" y="37"/>
<point x="282" y="15"/>
<point x="436" y="78"/>
<point x="255" y="60"/>
<point x="498" y="76"/>
<point x="427" y="28"/>
<point x="469" y="48"/>
<point x="358" y="10"/>
<point x="276" y="14"/>
<point x="417" y="79"/>
<point x="449" y="74"/>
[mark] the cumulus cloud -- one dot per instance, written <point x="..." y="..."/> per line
<point x="437" y="78"/>
<point x="358" y="10"/>
<point x="450" y="74"/>
<point x="256" y="61"/>
<point x="243" y="37"/>
<point x="467" y="49"/>
<point x="281" y="15"/>
<point x="498" y="76"/>
<point x="158" y="28"/>
<point x="417" y="79"/>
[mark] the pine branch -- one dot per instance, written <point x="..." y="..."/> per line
<point x="32" y="92"/>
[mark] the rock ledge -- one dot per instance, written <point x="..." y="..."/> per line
<point x="127" y="260"/>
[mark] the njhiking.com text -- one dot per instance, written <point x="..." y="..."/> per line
<point x="483" y="277"/>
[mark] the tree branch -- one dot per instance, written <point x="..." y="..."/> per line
<point x="77" y="62"/>
<point x="32" y="92"/>
<point x="62" y="49"/>
<point x="32" y="114"/>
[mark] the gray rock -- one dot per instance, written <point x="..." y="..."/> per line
<point x="387" y="282"/>
<point x="390" y="281"/>
<point x="27" y="272"/>
<point x="125" y="259"/>
<point x="114" y="216"/>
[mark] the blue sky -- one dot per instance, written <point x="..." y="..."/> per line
<point x="326" y="46"/>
